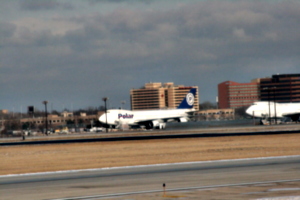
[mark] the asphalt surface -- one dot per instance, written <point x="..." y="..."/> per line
<point x="174" y="130"/>
<point x="146" y="182"/>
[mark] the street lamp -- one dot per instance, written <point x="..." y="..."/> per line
<point x="273" y="88"/>
<point x="268" y="89"/>
<point x="46" y="116"/>
<point x="105" y="100"/>
<point x="123" y="102"/>
<point x="275" y="114"/>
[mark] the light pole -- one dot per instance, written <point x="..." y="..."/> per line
<point x="105" y="100"/>
<point x="269" y="106"/>
<point x="268" y="89"/>
<point x="273" y="88"/>
<point x="122" y="102"/>
<point x="46" y="116"/>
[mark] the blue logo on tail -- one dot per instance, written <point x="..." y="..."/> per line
<point x="188" y="101"/>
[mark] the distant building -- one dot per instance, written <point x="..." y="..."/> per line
<point x="215" y="114"/>
<point x="63" y="120"/>
<point x="234" y="95"/>
<point x="4" y="112"/>
<point x="159" y="96"/>
<point x="281" y="88"/>
<point x="67" y="114"/>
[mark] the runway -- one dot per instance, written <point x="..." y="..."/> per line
<point x="174" y="130"/>
<point x="142" y="181"/>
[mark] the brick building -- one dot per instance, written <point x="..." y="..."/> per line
<point x="55" y="121"/>
<point x="158" y="96"/>
<point x="280" y="88"/>
<point x="234" y="95"/>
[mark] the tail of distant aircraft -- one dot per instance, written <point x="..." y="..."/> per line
<point x="189" y="100"/>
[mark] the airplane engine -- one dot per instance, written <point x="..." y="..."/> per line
<point x="149" y="125"/>
<point x="161" y="126"/>
<point x="182" y="119"/>
<point x="155" y="124"/>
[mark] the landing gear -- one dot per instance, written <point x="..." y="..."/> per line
<point x="149" y="125"/>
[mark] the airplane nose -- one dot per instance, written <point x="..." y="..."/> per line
<point x="249" y="111"/>
<point x="102" y="118"/>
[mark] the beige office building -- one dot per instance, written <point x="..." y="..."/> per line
<point x="159" y="96"/>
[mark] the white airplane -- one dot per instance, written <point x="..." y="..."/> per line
<point x="265" y="109"/>
<point x="150" y="118"/>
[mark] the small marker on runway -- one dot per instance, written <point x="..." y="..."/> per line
<point x="164" y="188"/>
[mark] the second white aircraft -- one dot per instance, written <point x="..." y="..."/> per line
<point x="265" y="109"/>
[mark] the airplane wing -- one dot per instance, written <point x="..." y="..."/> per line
<point x="190" y="114"/>
<point x="156" y="119"/>
<point x="160" y="122"/>
<point x="294" y="116"/>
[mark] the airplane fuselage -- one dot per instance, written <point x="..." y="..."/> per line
<point x="116" y="117"/>
<point x="151" y="118"/>
<point x="270" y="109"/>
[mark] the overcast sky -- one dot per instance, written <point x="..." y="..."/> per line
<point x="74" y="53"/>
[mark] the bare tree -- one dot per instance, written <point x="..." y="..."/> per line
<point x="207" y="105"/>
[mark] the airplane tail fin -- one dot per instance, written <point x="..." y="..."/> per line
<point x="188" y="101"/>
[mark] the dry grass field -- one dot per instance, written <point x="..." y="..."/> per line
<point x="41" y="158"/>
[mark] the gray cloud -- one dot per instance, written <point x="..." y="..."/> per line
<point x="106" y="54"/>
<point x="120" y="1"/>
<point x="35" y="5"/>
<point x="210" y="33"/>
<point x="6" y="32"/>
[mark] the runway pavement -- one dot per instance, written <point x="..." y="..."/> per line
<point x="175" y="130"/>
<point x="199" y="180"/>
